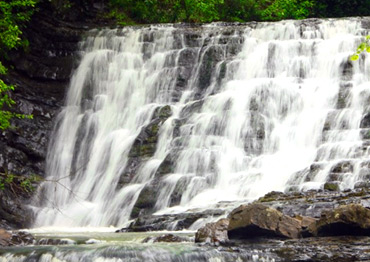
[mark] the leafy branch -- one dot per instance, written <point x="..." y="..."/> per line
<point x="364" y="46"/>
<point x="18" y="184"/>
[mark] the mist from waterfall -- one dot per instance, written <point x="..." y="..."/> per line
<point x="238" y="111"/>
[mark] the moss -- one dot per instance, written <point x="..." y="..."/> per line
<point x="357" y="194"/>
<point x="154" y="129"/>
<point x="165" y="112"/>
<point x="272" y="196"/>
<point x="143" y="150"/>
<point x="266" y="199"/>
<point x="331" y="186"/>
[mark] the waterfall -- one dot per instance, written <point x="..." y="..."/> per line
<point x="187" y="116"/>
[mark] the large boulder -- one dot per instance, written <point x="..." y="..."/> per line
<point x="213" y="233"/>
<point x="352" y="219"/>
<point x="257" y="220"/>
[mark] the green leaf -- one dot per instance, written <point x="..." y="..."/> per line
<point x="354" y="57"/>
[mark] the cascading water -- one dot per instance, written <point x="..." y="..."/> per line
<point x="182" y="116"/>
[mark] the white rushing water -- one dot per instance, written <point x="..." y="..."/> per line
<point x="254" y="108"/>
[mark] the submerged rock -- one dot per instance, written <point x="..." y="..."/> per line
<point x="55" y="242"/>
<point x="170" y="238"/>
<point x="19" y="238"/>
<point x="213" y="232"/>
<point x="257" y="220"/>
<point x="171" y="222"/>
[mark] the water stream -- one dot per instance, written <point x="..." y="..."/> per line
<point x="112" y="247"/>
<point x="174" y="117"/>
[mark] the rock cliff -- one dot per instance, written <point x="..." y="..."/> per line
<point x="40" y="74"/>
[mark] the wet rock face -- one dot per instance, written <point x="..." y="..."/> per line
<point x="13" y="212"/>
<point x="40" y="77"/>
<point x="365" y="122"/>
<point x="257" y="220"/>
<point x="146" y="200"/>
<point x="145" y="144"/>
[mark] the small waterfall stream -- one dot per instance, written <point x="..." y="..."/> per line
<point x="179" y="117"/>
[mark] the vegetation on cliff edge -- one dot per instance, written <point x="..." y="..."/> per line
<point x="171" y="11"/>
<point x="13" y="16"/>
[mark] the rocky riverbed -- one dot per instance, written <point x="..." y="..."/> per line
<point x="298" y="226"/>
<point x="306" y="226"/>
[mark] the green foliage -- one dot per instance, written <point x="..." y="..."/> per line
<point x="342" y="8"/>
<point x="13" y="16"/>
<point x="171" y="11"/>
<point x="18" y="183"/>
<point x="241" y="10"/>
<point x="288" y="9"/>
<point x="26" y="185"/>
<point x="121" y="18"/>
<point x="203" y="11"/>
<point x="364" y="46"/>
<point x="62" y="6"/>
<point x="165" y="11"/>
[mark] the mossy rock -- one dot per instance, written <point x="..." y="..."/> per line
<point x="163" y="112"/>
<point x="272" y="196"/>
<point x="331" y="186"/>
<point x="143" y="150"/>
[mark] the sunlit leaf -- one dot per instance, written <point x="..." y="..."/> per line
<point x="354" y="57"/>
